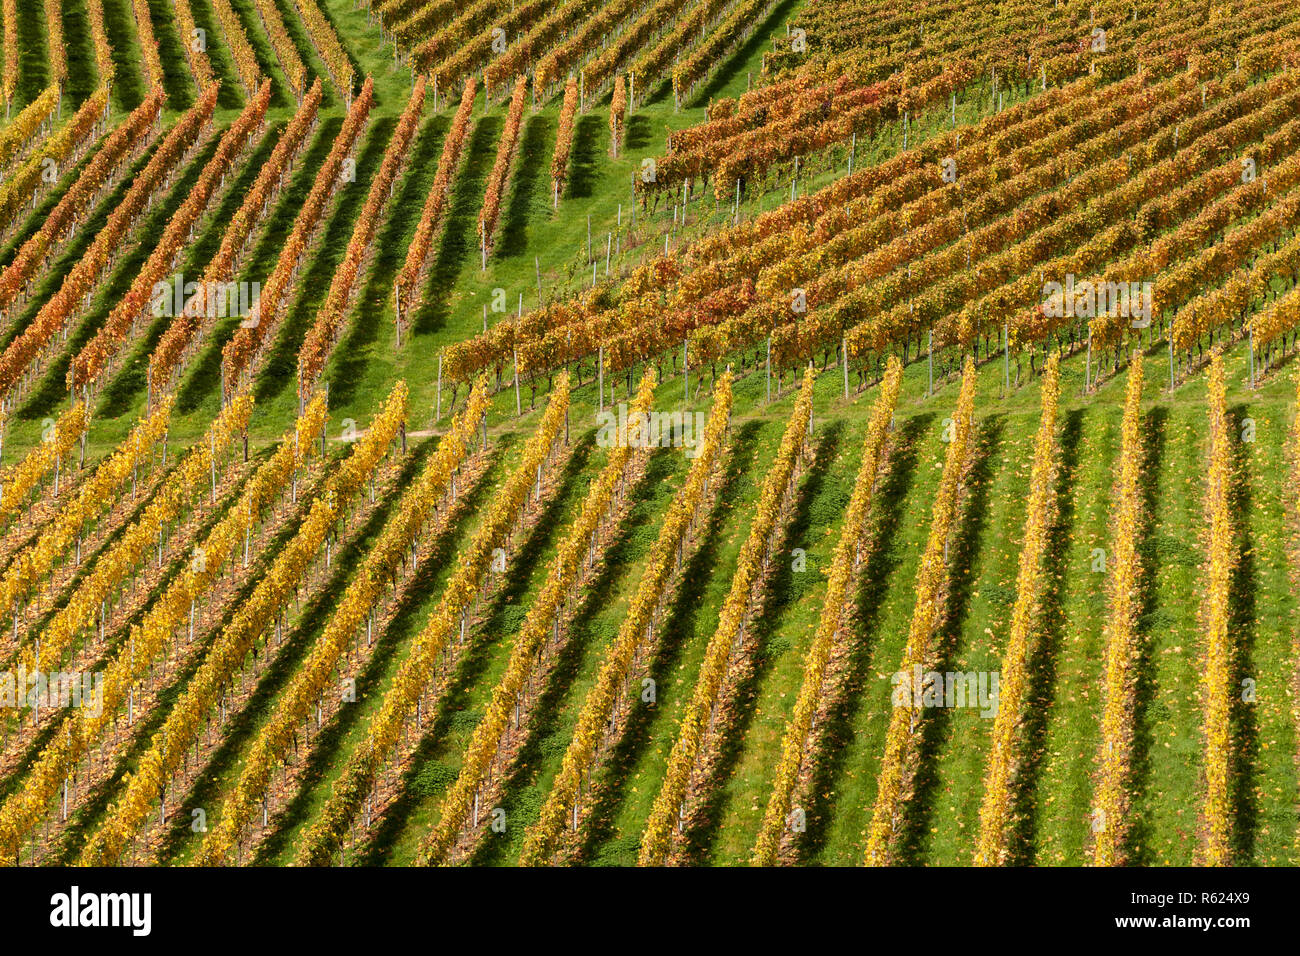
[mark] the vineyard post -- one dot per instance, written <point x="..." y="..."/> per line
<point x="844" y="356"/>
<point x="518" y="408"/>
<point x="437" y="414"/>
<point x="1250" y="338"/>
<point x="1006" y="360"/>
<point x="1087" y="381"/>
<point x="929" y="358"/>
<point x="1171" y="359"/>
<point x="686" y="375"/>
<point x="397" y="311"/>
<point x="735" y="207"/>
<point x="769" y="369"/>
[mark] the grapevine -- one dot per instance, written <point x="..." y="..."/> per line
<point x="205" y="304"/>
<point x="22" y="812"/>
<point x="97" y="493"/>
<point x="832" y="622"/>
<point x="1110" y="808"/>
<point x="496" y="185"/>
<point x="95" y="356"/>
<point x="414" y="512"/>
<point x="245" y="347"/>
<point x="574" y="557"/>
<point x="55" y="315"/>
<point x="996" y="806"/>
<point x="320" y="340"/>
<point x="931" y="579"/>
<point x="1217" y="679"/>
<point x="435" y="203"/>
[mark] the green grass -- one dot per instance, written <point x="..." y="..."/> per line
<point x="80" y="53"/>
<point x="128" y="67"/>
<point x="33" y="55"/>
